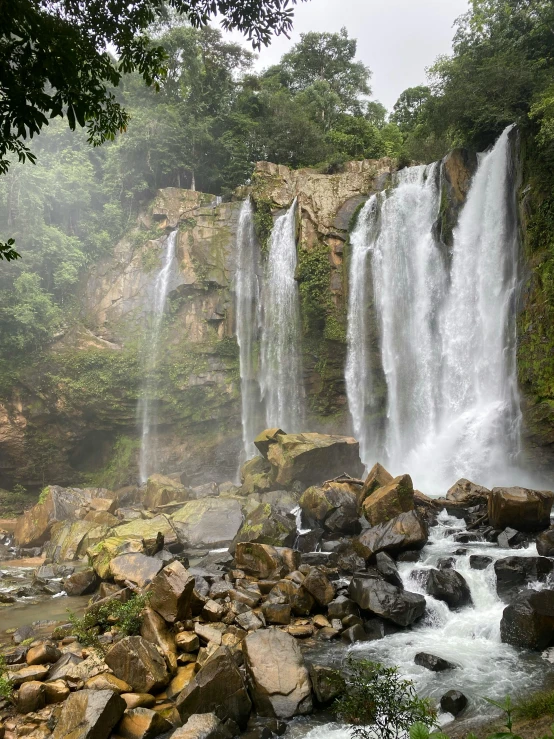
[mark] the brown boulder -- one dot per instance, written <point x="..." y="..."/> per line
<point x="89" y="714"/>
<point x="520" y="508"/>
<point x="202" y="726"/>
<point x="31" y="697"/>
<point x="107" y="681"/>
<point x="377" y="478"/>
<point x="139" y="664"/>
<point x="171" y="592"/>
<point x="154" y="630"/>
<point x="278" y="677"/>
<point x="319" y="585"/>
<point x="265" y="561"/>
<point x="161" y="490"/>
<point x="83" y="582"/>
<point x="136" y="568"/>
<point x="333" y="506"/>
<point x="266" y="438"/>
<point x="56" y="691"/>
<point x="389" y="501"/>
<point x="528" y="622"/>
<point x="468" y="493"/>
<point x="142" y="723"/>
<point x="406" y="531"/>
<point x="55" y="504"/>
<point x="43" y="654"/>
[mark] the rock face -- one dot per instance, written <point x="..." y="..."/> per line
<point x="89" y="714"/>
<point x="520" y="508"/>
<point x="279" y="680"/>
<point x="385" y="600"/>
<point x="528" y="622"/>
<point x="404" y="532"/>
<point x="389" y="501"/>
<point x="313" y="458"/>
<point x="138" y="663"/>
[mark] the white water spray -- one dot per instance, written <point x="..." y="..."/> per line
<point x="147" y="415"/>
<point x="281" y="364"/>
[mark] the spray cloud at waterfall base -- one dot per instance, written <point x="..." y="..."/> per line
<point x="446" y="327"/>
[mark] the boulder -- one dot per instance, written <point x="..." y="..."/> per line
<point x="319" y="585"/>
<point x="182" y="678"/>
<point x="107" y="681"/>
<point x="139" y="664"/>
<point x="135" y="568"/>
<point x="327" y="683"/>
<point x="277" y="613"/>
<point x="511" y="539"/>
<point x="545" y="543"/>
<point x="171" y="592"/>
<point x="520" y="508"/>
<point x="468" y="493"/>
<point x="138" y="700"/>
<point x="388" y="569"/>
<point x="408" y="531"/>
<point x="432" y="662"/>
<point x="154" y="629"/>
<point x="89" y="714"/>
<point x="56" y="692"/>
<point x="528" y="622"/>
<point x="333" y="506"/>
<point x="514" y="572"/>
<point x="66" y="540"/>
<point x="389" y="501"/>
<point x="142" y="723"/>
<point x="267" y="525"/>
<point x="453" y="702"/>
<point x="313" y="458"/>
<point x="83" y="582"/>
<point x="479" y="561"/>
<point x="256" y="477"/>
<point x="377" y="478"/>
<point x="278" y="678"/>
<point x="266" y="561"/>
<point x="161" y="490"/>
<point x="26" y="674"/>
<point x="187" y="641"/>
<point x="448" y="586"/>
<point x="43" y="654"/>
<point x="385" y="600"/>
<point x="31" y="697"/>
<point x="210" y="522"/>
<point x="218" y="687"/>
<point x="341" y="607"/>
<point x="202" y="726"/>
<point x="287" y="591"/>
<point x="266" y="438"/>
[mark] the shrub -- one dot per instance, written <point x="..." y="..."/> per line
<point x="125" y="617"/>
<point x="536" y="706"/>
<point x="6" y="685"/>
<point x="378" y="704"/>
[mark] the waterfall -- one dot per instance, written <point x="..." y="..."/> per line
<point x="446" y="327"/>
<point x="147" y="416"/>
<point x="281" y="364"/>
<point x="247" y="321"/>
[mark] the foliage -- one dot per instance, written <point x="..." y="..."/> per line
<point x="378" y="703"/>
<point x="6" y="685"/>
<point x="313" y="274"/>
<point x="536" y="706"/>
<point x="125" y="617"/>
<point x="117" y="472"/>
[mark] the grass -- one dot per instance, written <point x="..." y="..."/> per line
<point x="536" y="706"/>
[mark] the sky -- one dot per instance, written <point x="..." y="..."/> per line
<point x="397" y="39"/>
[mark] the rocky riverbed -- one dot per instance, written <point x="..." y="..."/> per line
<point x="227" y="610"/>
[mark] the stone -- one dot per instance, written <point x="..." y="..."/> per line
<point x="218" y="687"/>
<point x="279" y="680"/>
<point x="267" y="525"/>
<point x="520" y="508"/>
<point x="83" y="582"/>
<point x="449" y="586"/>
<point x="171" y="592"/>
<point x="353" y="634"/>
<point x="31" y="697"/>
<point x="453" y="702"/>
<point x="511" y="539"/>
<point x="56" y="692"/>
<point x="333" y="506"/>
<point x="408" y="531"/>
<point x="55" y="504"/>
<point x="187" y="641"/>
<point x="138" y="700"/>
<point x="341" y="607"/>
<point x="313" y="458"/>
<point x="265" y="561"/>
<point x="67" y="540"/>
<point x="89" y="714"/>
<point x="102" y="518"/>
<point x="202" y="726"/>
<point x="377" y="478"/>
<point x="389" y="501"/>
<point x="432" y="662"/>
<point x="327" y="683"/>
<point x="528" y="622"/>
<point x="182" y="678"/>
<point x="290" y="592"/>
<point x="388" y="569"/>
<point x="210" y="522"/>
<point x="256" y="477"/>
<point x="300" y="631"/>
<point x="249" y="621"/>
<point x="319" y="585"/>
<point x="139" y="664"/>
<point x="266" y="438"/>
<point x="43" y="654"/>
<point x="142" y="723"/>
<point x="62" y="669"/>
<point x="383" y="599"/>
<point x="28" y="674"/>
<point x="213" y="611"/>
<point x="161" y="490"/>
<point x="135" y="568"/>
<point x="468" y="493"/>
<point x="514" y="572"/>
<point x="154" y="629"/>
<point x="277" y="613"/>
<point x="545" y="543"/>
<point x="107" y="681"/>
<point x="479" y="561"/>
<point x="209" y="632"/>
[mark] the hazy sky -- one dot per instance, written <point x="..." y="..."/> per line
<point x="397" y="39"/>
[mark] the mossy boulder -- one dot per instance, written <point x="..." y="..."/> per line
<point x="263" y="441"/>
<point x="333" y="506"/>
<point x="161" y="490"/>
<point x="256" y="476"/>
<point x="55" y="504"/>
<point x="378" y="477"/>
<point x="209" y="521"/>
<point x="390" y="501"/>
<point x="267" y="525"/>
<point x="66" y="542"/>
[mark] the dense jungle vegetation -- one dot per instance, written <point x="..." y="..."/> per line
<point x="213" y="117"/>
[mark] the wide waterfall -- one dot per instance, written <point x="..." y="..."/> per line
<point x="446" y="327"/>
<point x="147" y="414"/>
<point x="247" y="325"/>
<point x="281" y="364"/>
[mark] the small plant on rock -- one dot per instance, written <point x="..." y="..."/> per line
<point x="125" y="617"/>
<point x="379" y="704"/>
<point x="6" y="685"/>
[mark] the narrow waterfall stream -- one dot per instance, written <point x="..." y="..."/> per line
<point x="446" y="328"/>
<point x="281" y="362"/>
<point x="247" y="326"/>
<point x="146" y="412"/>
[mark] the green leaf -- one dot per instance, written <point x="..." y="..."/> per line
<point x="419" y="731"/>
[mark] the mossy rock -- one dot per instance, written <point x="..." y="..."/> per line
<point x="266" y="525"/>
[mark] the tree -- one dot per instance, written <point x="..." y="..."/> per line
<point x="408" y="107"/>
<point x="54" y="60"/>
<point x="376" y="113"/>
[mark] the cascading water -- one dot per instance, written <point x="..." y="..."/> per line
<point x="147" y="414"/>
<point x="281" y="365"/>
<point x="447" y="328"/>
<point x="247" y="297"/>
